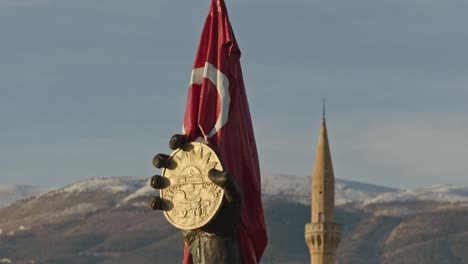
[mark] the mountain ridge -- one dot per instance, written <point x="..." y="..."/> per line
<point x="291" y="188"/>
<point x="107" y="220"/>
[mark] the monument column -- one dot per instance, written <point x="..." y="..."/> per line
<point x="322" y="234"/>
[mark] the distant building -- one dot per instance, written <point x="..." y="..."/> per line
<point x="323" y="235"/>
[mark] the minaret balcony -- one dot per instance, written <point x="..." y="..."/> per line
<point x="322" y="236"/>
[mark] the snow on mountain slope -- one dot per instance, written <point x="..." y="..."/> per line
<point x="10" y="194"/>
<point x="144" y="191"/>
<point x="109" y="184"/>
<point x="133" y="190"/>
<point x="298" y="189"/>
<point x="357" y="192"/>
<point x="292" y="188"/>
<point x="438" y="193"/>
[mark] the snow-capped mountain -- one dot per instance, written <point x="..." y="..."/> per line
<point x="109" y="184"/>
<point x="132" y="190"/>
<point x="437" y="193"/>
<point x="101" y="219"/>
<point x="12" y="193"/>
<point x="294" y="189"/>
<point x="298" y="189"/>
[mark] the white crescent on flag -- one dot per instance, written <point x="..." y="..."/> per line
<point x="221" y="82"/>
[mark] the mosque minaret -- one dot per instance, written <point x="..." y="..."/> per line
<point x="323" y="234"/>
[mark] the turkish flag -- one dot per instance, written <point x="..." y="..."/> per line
<point x="217" y="110"/>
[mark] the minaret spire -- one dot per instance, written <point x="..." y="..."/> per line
<point x="323" y="234"/>
<point x="323" y="102"/>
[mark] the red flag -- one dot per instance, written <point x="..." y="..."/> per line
<point x="217" y="110"/>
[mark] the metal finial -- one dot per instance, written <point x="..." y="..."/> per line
<point x="323" y="102"/>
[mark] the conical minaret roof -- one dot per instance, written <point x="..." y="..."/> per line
<point x="323" y="166"/>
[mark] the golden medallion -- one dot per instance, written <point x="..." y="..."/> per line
<point x="195" y="198"/>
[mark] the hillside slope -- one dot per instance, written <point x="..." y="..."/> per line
<point x="107" y="220"/>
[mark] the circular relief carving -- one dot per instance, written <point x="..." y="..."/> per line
<point x="195" y="198"/>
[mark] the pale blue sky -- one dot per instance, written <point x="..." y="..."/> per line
<point x="82" y="81"/>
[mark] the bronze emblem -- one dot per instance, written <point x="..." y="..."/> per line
<point x="195" y="198"/>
